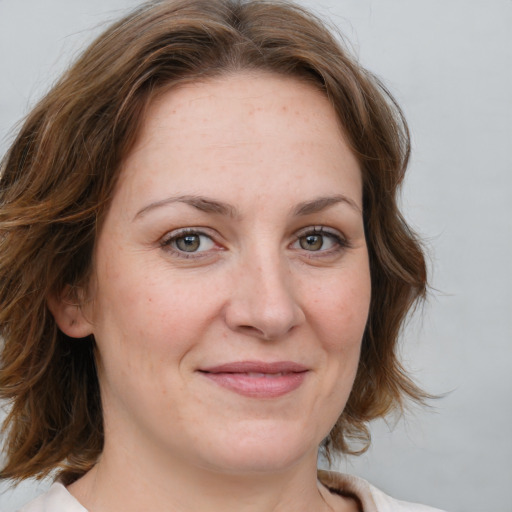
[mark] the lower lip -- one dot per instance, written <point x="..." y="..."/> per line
<point x="258" y="386"/>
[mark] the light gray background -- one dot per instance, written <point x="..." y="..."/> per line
<point x="449" y="63"/>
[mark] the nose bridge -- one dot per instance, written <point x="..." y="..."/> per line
<point x="270" y="277"/>
<point x="264" y="301"/>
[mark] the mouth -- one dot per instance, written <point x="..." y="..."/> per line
<point x="258" y="379"/>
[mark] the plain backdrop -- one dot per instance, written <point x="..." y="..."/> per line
<point x="449" y="63"/>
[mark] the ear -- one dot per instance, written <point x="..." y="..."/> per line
<point x="68" y="313"/>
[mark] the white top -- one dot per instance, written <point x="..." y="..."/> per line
<point x="58" y="499"/>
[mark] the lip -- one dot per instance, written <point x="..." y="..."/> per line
<point x="258" y="379"/>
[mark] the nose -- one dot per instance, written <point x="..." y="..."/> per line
<point x="263" y="302"/>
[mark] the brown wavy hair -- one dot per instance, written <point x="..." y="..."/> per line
<point x="57" y="181"/>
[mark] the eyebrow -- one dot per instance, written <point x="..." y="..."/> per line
<point x="201" y="203"/>
<point x="209" y="205"/>
<point x="322" y="203"/>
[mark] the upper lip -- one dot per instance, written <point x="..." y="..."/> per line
<point x="256" y="367"/>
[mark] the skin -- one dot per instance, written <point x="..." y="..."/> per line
<point x="254" y="287"/>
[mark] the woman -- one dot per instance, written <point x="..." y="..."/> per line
<point x="204" y="270"/>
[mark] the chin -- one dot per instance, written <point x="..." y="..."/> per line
<point x="262" y="452"/>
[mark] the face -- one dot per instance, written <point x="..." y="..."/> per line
<point x="231" y="285"/>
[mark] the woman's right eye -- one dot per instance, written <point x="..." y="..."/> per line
<point x="188" y="242"/>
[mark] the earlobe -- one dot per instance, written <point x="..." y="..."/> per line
<point x="68" y="313"/>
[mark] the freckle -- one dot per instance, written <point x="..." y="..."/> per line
<point x="284" y="108"/>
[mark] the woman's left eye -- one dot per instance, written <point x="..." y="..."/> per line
<point x="318" y="240"/>
<point x="189" y="242"/>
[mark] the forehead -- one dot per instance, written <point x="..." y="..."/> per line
<point x="255" y="91"/>
<point x="241" y="128"/>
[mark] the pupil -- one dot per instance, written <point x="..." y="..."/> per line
<point x="189" y="243"/>
<point x="312" y="242"/>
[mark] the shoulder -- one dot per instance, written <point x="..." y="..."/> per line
<point x="386" y="503"/>
<point x="371" y="498"/>
<point x="57" y="499"/>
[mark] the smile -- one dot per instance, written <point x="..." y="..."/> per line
<point x="257" y="379"/>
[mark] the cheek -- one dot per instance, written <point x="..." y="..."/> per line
<point x="338" y="313"/>
<point x="341" y="310"/>
<point x="152" y="314"/>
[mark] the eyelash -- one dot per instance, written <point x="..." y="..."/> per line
<point x="170" y="238"/>
<point x="341" y="243"/>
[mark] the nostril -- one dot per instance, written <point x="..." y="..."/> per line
<point x="251" y="329"/>
<point x="254" y="331"/>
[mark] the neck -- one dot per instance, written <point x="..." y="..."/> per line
<point x="131" y="485"/>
